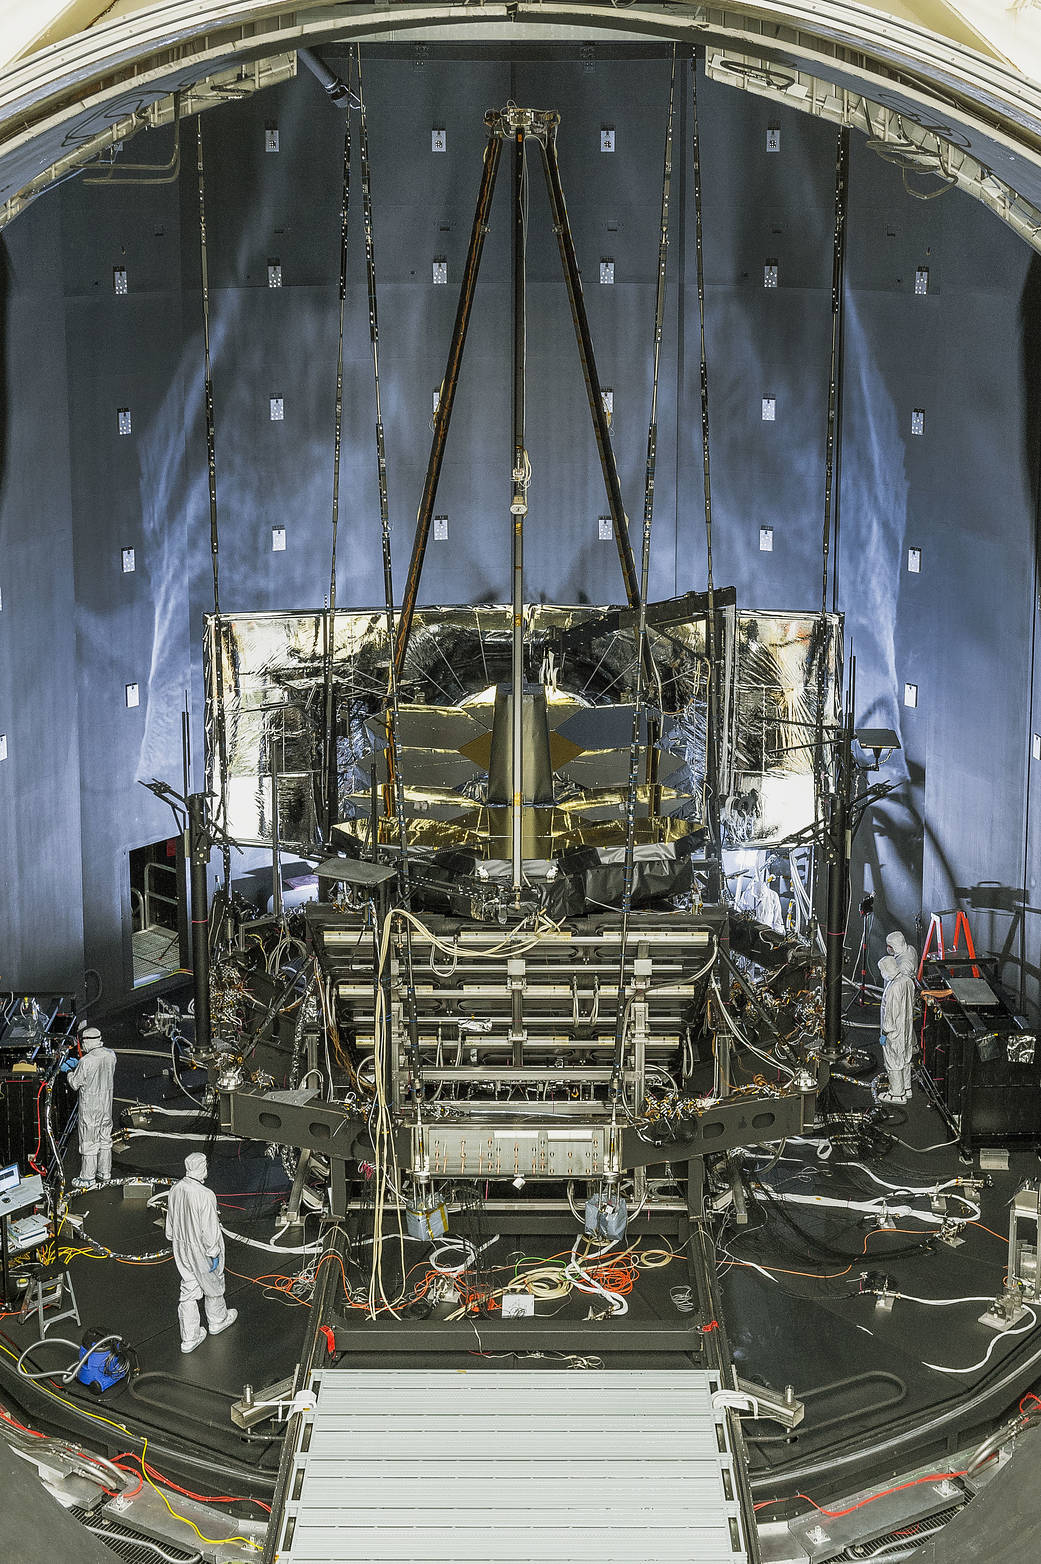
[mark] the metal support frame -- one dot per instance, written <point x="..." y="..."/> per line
<point x="198" y="858"/>
<point x="518" y="490"/>
<point x="443" y="415"/>
<point x="518" y="125"/>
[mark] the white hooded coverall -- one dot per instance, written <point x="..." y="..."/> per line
<point x="93" y="1080"/>
<point x="761" y="901"/>
<point x="897" y="970"/>
<point x="193" y="1229"/>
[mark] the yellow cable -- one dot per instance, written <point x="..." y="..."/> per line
<point x="213" y="1541"/>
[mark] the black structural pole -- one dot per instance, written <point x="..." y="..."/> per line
<point x="837" y="847"/>
<point x="199" y="857"/>
<point x="442" y="417"/>
<point x="573" y="280"/>
<point x="518" y="510"/>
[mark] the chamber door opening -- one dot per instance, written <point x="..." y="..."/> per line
<point x="158" y="917"/>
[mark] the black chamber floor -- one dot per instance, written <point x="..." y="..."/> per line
<point x="190" y="1394"/>
<point x="800" y="1329"/>
<point x="812" y="1331"/>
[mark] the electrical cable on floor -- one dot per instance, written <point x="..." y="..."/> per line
<point x="974" y="1368"/>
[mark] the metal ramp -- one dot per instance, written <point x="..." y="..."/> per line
<point x="507" y="1466"/>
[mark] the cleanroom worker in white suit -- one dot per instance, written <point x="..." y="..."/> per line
<point x="897" y="970"/>
<point x="92" y="1078"/>
<point x="193" y="1228"/>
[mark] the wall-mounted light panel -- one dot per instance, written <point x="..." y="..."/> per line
<point x="276" y="409"/>
<point x="914" y="561"/>
<point x="133" y="695"/>
<point x="910" y="695"/>
<point x="438" y="139"/>
<point x="1035" y="746"/>
<point x="271" y="136"/>
<point x="607" y="138"/>
<point x="604" y="529"/>
<point x="771" y="272"/>
<point x="769" y="409"/>
<point x="3" y="746"/>
<point x="606" y="270"/>
<point x="119" y="279"/>
<point x="773" y="138"/>
<point x="918" y="420"/>
<point x="440" y="529"/>
<point x="278" y="540"/>
<point x="123" y="416"/>
<point x="766" y="540"/>
<point x="129" y="561"/>
<point x="439" y="270"/>
<point x="921" y="280"/>
<point x="274" y="272"/>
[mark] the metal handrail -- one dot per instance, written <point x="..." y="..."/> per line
<point x="151" y="895"/>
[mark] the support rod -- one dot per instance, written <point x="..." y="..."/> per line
<point x="838" y="270"/>
<point x="642" y="659"/>
<point x="329" y="705"/>
<point x="211" y="468"/>
<point x="711" y="628"/>
<point x="442" y="417"/>
<point x="198" y="858"/>
<point x="573" y="280"/>
<point x="838" y="852"/>
<point x="518" y="503"/>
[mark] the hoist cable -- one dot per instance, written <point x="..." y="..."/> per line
<point x="217" y="645"/>
<point x="838" y="267"/>
<point x="331" y="768"/>
<point x="831" y="507"/>
<point x="711" y="638"/>
<point x="396" y="785"/>
<point x="632" y="793"/>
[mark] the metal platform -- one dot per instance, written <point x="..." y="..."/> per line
<point x="512" y="1465"/>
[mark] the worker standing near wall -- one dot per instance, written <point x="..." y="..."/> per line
<point x="897" y="970"/>
<point x="193" y="1228"/>
<point x="93" y="1077"/>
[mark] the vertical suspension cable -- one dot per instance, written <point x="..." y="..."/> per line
<point x="395" y="788"/>
<point x="518" y="502"/>
<point x="838" y="267"/>
<point x="711" y="638"/>
<point x="329" y="748"/>
<point x="632" y="792"/>
<point x="211" y="462"/>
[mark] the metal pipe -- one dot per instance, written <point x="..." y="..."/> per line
<point x="336" y="90"/>
<point x="443" y="416"/>
<point x="518" y="504"/>
<point x="838" y="850"/>
<point x="601" y="428"/>
<point x="198" y="858"/>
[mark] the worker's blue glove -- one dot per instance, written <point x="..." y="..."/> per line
<point x="69" y="1064"/>
<point x="215" y="1262"/>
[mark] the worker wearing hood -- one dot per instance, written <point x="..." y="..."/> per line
<point x="902" y="952"/>
<point x="193" y="1228"/>
<point x="897" y="970"/>
<point x="759" y="899"/>
<point x="92" y="1077"/>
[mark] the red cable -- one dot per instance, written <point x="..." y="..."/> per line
<point x="39" y="1132"/>
<point x="834" y="1515"/>
<point x="201" y="1498"/>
